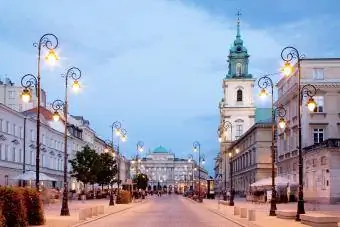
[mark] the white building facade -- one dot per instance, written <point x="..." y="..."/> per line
<point x="320" y="130"/>
<point x="164" y="169"/>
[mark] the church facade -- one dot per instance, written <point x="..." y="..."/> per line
<point x="240" y="120"/>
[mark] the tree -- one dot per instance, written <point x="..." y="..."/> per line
<point x="85" y="165"/>
<point x="107" y="169"/>
<point x="141" y="181"/>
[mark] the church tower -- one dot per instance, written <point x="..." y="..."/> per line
<point x="237" y="104"/>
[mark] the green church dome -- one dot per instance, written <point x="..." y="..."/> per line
<point x="161" y="149"/>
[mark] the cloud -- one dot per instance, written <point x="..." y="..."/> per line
<point x="153" y="64"/>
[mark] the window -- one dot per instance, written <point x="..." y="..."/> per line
<point x="2" y="152"/>
<point x="318" y="74"/>
<point x="323" y="160"/>
<point x="318" y="134"/>
<point x="319" y="104"/>
<point x="1" y="125"/>
<point x="14" y="131"/>
<point x="11" y="94"/>
<point x="32" y="135"/>
<point x="7" y="127"/>
<point x="238" y="69"/>
<point x="21" y="132"/>
<point x="239" y="130"/>
<point x="239" y="96"/>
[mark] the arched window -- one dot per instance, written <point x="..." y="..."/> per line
<point x="238" y="69"/>
<point x="239" y="96"/>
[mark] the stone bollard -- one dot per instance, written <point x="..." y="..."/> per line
<point x="82" y="215"/>
<point x="243" y="212"/>
<point x="251" y="215"/>
<point x="101" y="209"/>
<point x="236" y="210"/>
<point x="88" y="212"/>
<point x="94" y="211"/>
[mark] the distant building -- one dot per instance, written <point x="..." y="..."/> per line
<point x="164" y="169"/>
<point x="320" y="130"/>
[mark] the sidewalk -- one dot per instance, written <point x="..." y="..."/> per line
<point x="53" y="218"/>
<point x="262" y="211"/>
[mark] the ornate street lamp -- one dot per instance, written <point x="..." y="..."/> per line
<point x="288" y="54"/>
<point x="50" y="42"/>
<point x="232" y="192"/>
<point x="264" y="83"/>
<point x="197" y="148"/>
<point x="73" y="73"/>
<point x="116" y="129"/>
<point x="221" y="138"/>
<point x="140" y="149"/>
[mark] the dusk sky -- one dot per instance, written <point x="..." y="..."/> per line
<point x="157" y="65"/>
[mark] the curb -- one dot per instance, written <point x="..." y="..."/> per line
<point x="105" y="215"/>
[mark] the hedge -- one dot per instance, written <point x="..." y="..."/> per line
<point x="34" y="206"/>
<point x="2" y="218"/>
<point x="14" y="210"/>
<point x="23" y="207"/>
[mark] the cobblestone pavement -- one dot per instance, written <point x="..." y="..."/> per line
<point x="165" y="211"/>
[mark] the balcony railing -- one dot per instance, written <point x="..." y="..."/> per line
<point x="329" y="143"/>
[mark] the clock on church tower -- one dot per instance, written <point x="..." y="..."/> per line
<point x="237" y="105"/>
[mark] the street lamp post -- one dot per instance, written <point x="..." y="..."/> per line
<point x="190" y="160"/>
<point x="140" y="148"/>
<point x="121" y="133"/>
<point x="112" y="152"/>
<point x="73" y="73"/>
<point x="221" y="138"/>
<point x="50" y="42"/>
<point x="288" y="54"/>
<point x="231" y="199"/>
<point x="197" y="148"/>
<point x="266" y="82"/>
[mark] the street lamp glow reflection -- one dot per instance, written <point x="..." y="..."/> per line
<point x="76" y="86"/>
<point x="56" y="116"/>
<point x="311" y="104"/>
<point x="287" y="69"/>
<point x="263" y="93"/>
<point x="26" y="95"/>
<point x="51" y="57"/>
<point x="282" y="123"/>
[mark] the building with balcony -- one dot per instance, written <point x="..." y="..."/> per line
<point x="320" y="172"/>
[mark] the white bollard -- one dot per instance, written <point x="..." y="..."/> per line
<point x="236" y="210"/>
<point x="251" y="215"/>
<point x="243" y="212"/>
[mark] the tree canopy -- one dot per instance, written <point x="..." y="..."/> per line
<point x="90" y="167"/>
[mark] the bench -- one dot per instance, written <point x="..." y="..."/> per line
<point x="319" y="220"/>
<point x="286" y="214"/>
